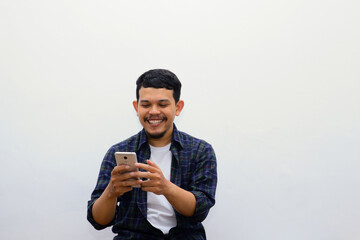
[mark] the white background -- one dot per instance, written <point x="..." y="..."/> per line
<point x="272" y="85"/>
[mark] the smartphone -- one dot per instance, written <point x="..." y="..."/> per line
<point x="127" y="158"/>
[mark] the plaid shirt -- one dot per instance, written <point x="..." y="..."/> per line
<point x="193" y="168"/>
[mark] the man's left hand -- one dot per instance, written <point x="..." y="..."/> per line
<point x="156" y="182"/>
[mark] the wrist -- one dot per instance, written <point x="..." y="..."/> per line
<point x="170" y="189"/>
<point x="109" y="192"/>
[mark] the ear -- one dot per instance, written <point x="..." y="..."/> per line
<point x="135" y="104"/>
<point x="179" y="107"/>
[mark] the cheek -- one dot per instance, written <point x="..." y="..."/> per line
<point x="140" y="114"/>
<point x="172" y="114"/>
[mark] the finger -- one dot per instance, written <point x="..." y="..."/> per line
<point x="120" y="169"/>
<point x="132" y="182"/>
<point x="140" y="174"/>
<point x="123" y="177"/>
<point x="121" y="185"/>
<point x="147" y="183"/>
<point x="146" y="167"/>
<point x="151" y="163"/>
<point x="120" y="173"/>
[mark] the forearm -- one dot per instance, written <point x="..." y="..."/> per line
<point x="183" y="201"/>
<point x="104" y="208"/>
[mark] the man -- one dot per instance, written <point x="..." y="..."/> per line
<point x="177" y="172"/>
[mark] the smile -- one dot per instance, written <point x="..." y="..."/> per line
<point x="155" y="121"/>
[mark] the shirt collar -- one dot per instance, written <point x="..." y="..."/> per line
<point x="176" y="137"/>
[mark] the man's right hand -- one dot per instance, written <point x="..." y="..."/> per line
<point x="120" y="181"/>
<point x="105" y="206"/>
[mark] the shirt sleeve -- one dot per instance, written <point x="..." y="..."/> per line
<point x="204" y="181"/>
<point x="107" y="166"/>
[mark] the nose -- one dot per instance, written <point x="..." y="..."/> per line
<point x="154" y="110"/>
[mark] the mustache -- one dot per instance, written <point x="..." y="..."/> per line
<point x="154" y="117"/>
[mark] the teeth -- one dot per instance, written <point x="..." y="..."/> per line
<point x="155" y="121"/>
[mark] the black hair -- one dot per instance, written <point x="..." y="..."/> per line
<point x="159" y="78"/>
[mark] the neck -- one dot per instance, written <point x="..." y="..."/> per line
<point x="161" y="142"/>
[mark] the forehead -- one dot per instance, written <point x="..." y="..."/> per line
<point x="155" y="94"/>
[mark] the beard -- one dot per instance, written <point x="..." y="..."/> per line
<point x="155" y="136"/>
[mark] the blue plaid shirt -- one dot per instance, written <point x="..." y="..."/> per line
<point x="193" y="168"/>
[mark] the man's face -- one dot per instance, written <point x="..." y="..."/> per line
<point x="156" y="109"/>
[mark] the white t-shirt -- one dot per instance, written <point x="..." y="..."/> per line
<point x="160" y="213"/>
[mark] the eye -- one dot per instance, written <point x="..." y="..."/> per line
<point x="145" y="105"/>
<point x="163" y="105"/>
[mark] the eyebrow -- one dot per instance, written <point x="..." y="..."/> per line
<point x="160" y="101"/>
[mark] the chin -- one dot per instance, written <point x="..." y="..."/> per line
<point x="155" y="135"/>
